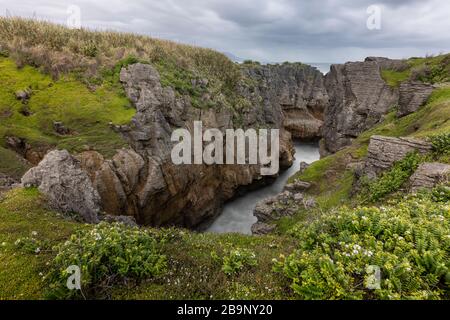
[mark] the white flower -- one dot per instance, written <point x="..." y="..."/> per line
<point x="97" y="237"/>
<point x="34" y="233"/>
<point x="37" y="250"/>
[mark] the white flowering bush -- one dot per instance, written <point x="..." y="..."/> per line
<point x="408" y="240"/>
<point x="31" y="244"/>
<point x="106" y="254"/>
<point x="235" y="259"/>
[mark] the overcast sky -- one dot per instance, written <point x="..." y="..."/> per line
<point x="268" y="30"/>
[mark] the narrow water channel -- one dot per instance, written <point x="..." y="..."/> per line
<point x="237" y="215"/>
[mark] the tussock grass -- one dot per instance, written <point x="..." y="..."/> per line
<point x="58" y="49"/>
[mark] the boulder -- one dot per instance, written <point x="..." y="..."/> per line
<point x="297" y="186"/>
<point x="23" y="95"/>
<point x="384" y="151"/>
<point x="7" y="182"/>
<point x="285" y="204"/>
<point x="60" y="129"/>
<point x="67" y="187"/>
<point x="126" y="220"/>
<point x="261" y="228"/>
<point x="428" y="175"/>
<point x="412" y="96"/>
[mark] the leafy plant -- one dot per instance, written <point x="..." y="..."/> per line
<point x="234" y="260"/>
<point x="441" y="144"/>
<point x="408" y="240"/>
<point x="393" y="179"/>
<point x="441" y="193"/>
<point x="106" y="254"/>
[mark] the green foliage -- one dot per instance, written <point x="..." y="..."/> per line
<point x="89" y="49"/>
<point x="85" y="112"/>
<point x="428" y="70"/>
<point x="234" y="260"/>
<point x="408" y="239"/>
<point x="251" y="62"/>
<point x="392" y="179"/>
<point x="395" y="78"/>
<point x="106" y="254"/>
<point x="441" y="193"/>
<point x="441" y="144"/>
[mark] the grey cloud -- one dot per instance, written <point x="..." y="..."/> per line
<point x="270" y="30"/>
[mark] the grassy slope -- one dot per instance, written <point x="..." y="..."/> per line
<point x="192" y="272"/>
<point x="21" y="213"/>
<point x="86" y="112"/>
<point x="430" y="70"/>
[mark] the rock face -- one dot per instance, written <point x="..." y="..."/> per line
<point x="358" y="99"/>
<point x="412" y="96"/>
<point x="298" y="90"/>
<point x="68" y="188"/>
<point x="7" y="182"/>
<point x="274" y="208"/>
<point x="384" y="151"/>
<point x="142" y="182"/>
<point x="152" y="188"/>
<point x="428" y="175"/>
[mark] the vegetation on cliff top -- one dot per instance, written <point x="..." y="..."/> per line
<point x="87" y="115"/>
<point x="429" y="70"/>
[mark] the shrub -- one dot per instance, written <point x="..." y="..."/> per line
<point x="234" y="260"/>
<point x="393" y="179"/>
<point x="409" y="240"/>
<point x="441" y="144"/>
<point x="106" y="254"/>
<point x="441" y="193"/>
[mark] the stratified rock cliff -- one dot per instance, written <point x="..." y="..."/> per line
<point x="298" y="90"/>
<point x="359" y="97"/>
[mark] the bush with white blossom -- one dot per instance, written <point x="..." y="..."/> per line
<point x="408" y="239"/>
<point x="106" y="254"/>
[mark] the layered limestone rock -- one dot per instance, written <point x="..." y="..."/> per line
<point x="285" y="204"/>
<point x="428" y="175"/>
<point x="298" y="90"/>
<point x="68" y="188"/>
<point x="141" y="181"/>
<point x="412" y="96"/>
<point x="165" y="193"/>
<point x="358" y="99"/>
<point x="7" y="182"/>
<point x="384" y="151"/>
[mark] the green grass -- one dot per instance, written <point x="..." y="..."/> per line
<point x="11" y="164"/>
<point x="193" y="273"/>
<point x="429" y="70"/>
<point x="21" y="213"/>
<point x="86" y="113"/>
<point x="394" y="78"/>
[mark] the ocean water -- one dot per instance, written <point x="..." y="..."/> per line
<point x="237" y="215"/>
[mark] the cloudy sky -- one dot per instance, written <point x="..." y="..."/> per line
<point x="268" y="30"/>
